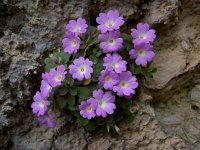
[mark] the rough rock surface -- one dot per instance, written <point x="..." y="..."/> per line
<point x="166" y="118"/>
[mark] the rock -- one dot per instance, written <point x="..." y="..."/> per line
<point x="166" y="117"/>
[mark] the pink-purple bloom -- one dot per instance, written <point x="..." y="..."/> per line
<point x="105" y="103"/>
<point x="110" y="41"/>
<point x="81" y="68"/>
<point x="109" y="21"/>
<point x="40" y="104"/>
<point x="108" y="79"/>
<point x="126" y="85"/>
<point x="77" y="27"/>
<point x="143" y="34"/>
<point x="87" y="108"/>
<point x="142" y="54"/>
<point x="45" y="88"/>
<point x="47" y="119"/>
<point x="71" y="43"/>
<point x="56" y="77"/>
<point x="114" y="62"/>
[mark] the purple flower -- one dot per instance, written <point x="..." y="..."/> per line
<point x="110" y="21"/>
<point x="47" y="119"/>
<point x="87" y="108"/>
<point x="56" y="77"/>
<point x="114" y="62"/>
<point x="107" y="79"/>
<point x="143" y="34"/>
<point x="40" y="104"/>
<point x="45" y="88"/>
<point x="78" y="26"/>
<point x="71" y="43"/>
<point x="105" y="103"/>
<point x="110" y="41"/>
<point x="81" y="68"/>
<point x="142" y="54"/>
<point x="126" y="85"/>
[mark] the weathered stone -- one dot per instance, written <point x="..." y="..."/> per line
<point x="29" y="29"/>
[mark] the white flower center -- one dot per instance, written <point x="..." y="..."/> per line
<point x="107" y="79"/>
<point x="41" y="103"/>
<point x="123" y="84"/>
<point x="82" y="69"/>
<point x="114" y="65"/>
<point x="58" y="77"/>
<point x="77" y="29"/>
<point x="88" y="108"/>
<point x="111" y="42"/>
<point x="74" y="43"/>
<point x="101" y="103"/>
<point x="142" y="36"/>
<point x="141" y="52"/>
<point x="109" y="23"/>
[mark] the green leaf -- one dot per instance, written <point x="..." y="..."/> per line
<point x="70" y="81"/>
<point x="128" y="117"/>
<point x="94" y="41"/>
<point x="61" y="102"/>
<point x="70" y="99"/>
<point x="73" y="91"/>
<point x="126" y="37"/>
<point x="91" y="126"/>
<point x="82" y="121"/>
<point x="125" y="103"/>
<point x="83" y="92"/>
<point x="98" y="53"/>
<point x="63" y="91"/>
<point x="48" y="61"/>
<point x="72" y="108"/>
<point x="65" y="57"/>
<point x="91" y="30"/>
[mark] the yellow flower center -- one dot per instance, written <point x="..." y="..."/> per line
<point x="41" y="103"/>
<point x="142" y="36"/>
<point x="59" y="77"/>
<point x="77" y="29"/>
<point x="82" y="69"/>
<point x="141" y="52"/>
<point x="74" y="43"/>
<point x="107" y="79"/>
<point x="101" y="103"/>
<point x="123" y="84"/>
<point x="88" y="108"/>
<point x="109" y="23"/>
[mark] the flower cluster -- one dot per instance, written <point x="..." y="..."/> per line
<point x="72" y="41"/>
<point x="100" y="104"/>
<point x="41" y="103"/>
<point x="143" y="51"/>
<point x="93" y="77"/>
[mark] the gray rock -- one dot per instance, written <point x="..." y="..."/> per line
<point x="30" y="29"/>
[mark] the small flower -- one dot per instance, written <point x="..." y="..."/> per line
<point x="143" y="34"/>
<point x="114" y="62"/>
<point x="105" y="103"/>
<point x="87" y="108"/>
<point x="143" y="53"/>
<point x="78" y="26"/>
<point x="40" y="104"/>
<point x="81" y="68"/>
<point x="126" y="85"/>
<point x="56" y="77"/>
<point x="71" y="43"/>
<point x="47" y="119"/>
<point x="108" y="79"/>
<point x="110" y="21"/>
<point x="110" y="41"/>
<point x="45" y="88"/>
